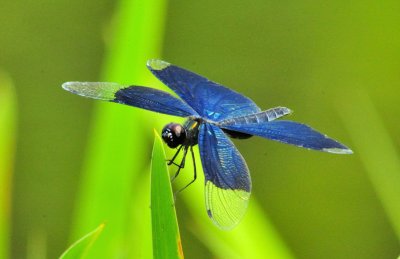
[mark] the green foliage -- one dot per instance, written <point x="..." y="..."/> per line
<point x="81" y="247"/>
<point x="114" y="164"/>
<point x="112" y="189"/>
<point x="7" y="145"/>
<point x="301" y="54"/>
<point x="376" y="151"/>
<point x="166" y="237"/>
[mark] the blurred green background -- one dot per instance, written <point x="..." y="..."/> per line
<point x="69" y="164"/>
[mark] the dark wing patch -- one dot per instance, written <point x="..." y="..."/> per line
<point x="137" y="96"/>
<point x="293" y="133"/>
<point x="209" y="99"/>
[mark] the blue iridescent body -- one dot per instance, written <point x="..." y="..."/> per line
<point x="214" y="113"/>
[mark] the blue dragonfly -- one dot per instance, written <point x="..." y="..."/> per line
<point x="214" y="114"/>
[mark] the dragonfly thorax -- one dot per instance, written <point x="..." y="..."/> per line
<point x="173" y="134"/>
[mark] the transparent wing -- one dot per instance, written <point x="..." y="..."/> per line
<point x="138" y="96"/>
<point x="264" y="116"/>
<point x="209" y="99"/>
<point x="290" y="132"/>
<point x="227" y="179"/>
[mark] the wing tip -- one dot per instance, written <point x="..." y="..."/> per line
<point x="227" y="212"/>
<point x="288" y="111"/>
<point x="225" y="228"/>
<point x="68" y="86"/>
<point x="341" y="150"/>
<point x="75" y="87"/>
<point x="157" y="64"/>
<point x="95" y="90"/>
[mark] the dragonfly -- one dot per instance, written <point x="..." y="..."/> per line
<point x="214" y="114"/>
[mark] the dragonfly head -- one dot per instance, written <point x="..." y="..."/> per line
<point x="173" y="134"/>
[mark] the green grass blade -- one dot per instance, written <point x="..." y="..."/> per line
<point x="376" y="150"/>
<point x="166" y="237"/>
<point x="80" y="248"/>
<point x="116" y="153"/>
<point x="7" y="146"/>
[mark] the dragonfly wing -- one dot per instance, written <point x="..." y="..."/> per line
<point x="260" y="117"/>
<point x="227" y="178"/>
<point x="290" y="132"/>
<point x="137" y="96"/>
<point x="209" y="99"/>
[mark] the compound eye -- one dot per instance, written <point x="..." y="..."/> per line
<point x="173" y="134"/>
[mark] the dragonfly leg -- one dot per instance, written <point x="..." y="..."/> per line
<point x="194" y="174"/>
<point x="171" y="161"/>
<point x="181" y="165"/>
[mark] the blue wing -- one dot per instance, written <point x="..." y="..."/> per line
<point x="209" y="99"/>
<point x="289" y="132"/>
<point x="227" y="179"/>
<point x="138" y="96"/>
